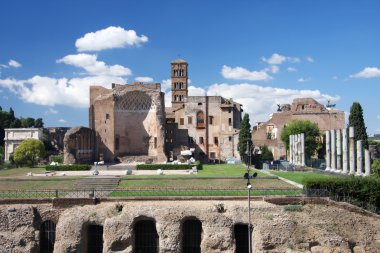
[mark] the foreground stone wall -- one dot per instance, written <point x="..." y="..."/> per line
<point x="318" y="228"/>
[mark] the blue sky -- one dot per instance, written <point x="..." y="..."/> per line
<point x="261" y="53"/>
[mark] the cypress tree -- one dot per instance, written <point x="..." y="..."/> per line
<point x="244" y="137"/>
<point x="356" y="120"/>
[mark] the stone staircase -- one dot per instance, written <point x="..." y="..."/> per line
<point x="102" y="185"/>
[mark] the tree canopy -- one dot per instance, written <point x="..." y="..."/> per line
<point x="307" y="127"/>
<point x="244" y="137"/>
<point x="29" y="152"/>
<point x="8" y="120"/>
<point x="356" y="120"/>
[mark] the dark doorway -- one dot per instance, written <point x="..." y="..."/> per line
<point x="191" y="236"/>
<point x="146" y="237"/>
<point x="241" y="238"/>
<point x="95" y="239"/>
<point x="47" y="237"/>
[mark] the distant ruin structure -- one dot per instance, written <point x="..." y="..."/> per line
<point x="269" y="133"/>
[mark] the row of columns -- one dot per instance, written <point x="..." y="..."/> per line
<point x="340" y="153"/>
<point x="297" y="149"/>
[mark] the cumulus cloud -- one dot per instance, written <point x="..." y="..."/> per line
<point x="144" y="79"/>
<point x="291" y="69"/>
<point x="239" y="73"/>
<point x="260" y="101"/>
<point x="277" y="59"/>
<point x="90" y="63"/>
<point x="14" y="64"/>
<point x="108" y="38"/>
<point x="368" y="72"/>
<point x="50" y="91"/>
<point x="310" y="59"/>
<point x="51" y="111"/>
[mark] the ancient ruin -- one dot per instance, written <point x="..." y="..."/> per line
<point x="185" y="226"/>
<point x="297" y="149"/>
<point x="269" y="133"/>
<point x="131" y="124"/>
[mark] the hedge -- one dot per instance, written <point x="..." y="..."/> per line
<point x="364" y="191"/>
<point x="168" y="166"/>
<point x="68" y="167"/>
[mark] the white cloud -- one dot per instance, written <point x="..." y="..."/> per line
<point x="260" y="101"/>
<point x="110" y="37"/>
<point x="51" y="111"/>
<point x="368" y="72"/>
<point x="144" y="79"/>
<point x="4" y="66"/>
<point x="274" y="69"/>
<point x="62" y="121"/>
<point x="310" y="59"/>
<point x="166" y="85"/>
<point x="277" y="59"/>
<point x="57" y="91"/>
<point x="196" y="91"/>
<point x="14" y="64"/>
<point x="303" y="80"/>
<point x="240" y="73"/>
<point x="291" y="69"/>
<point x="90" y="63"/>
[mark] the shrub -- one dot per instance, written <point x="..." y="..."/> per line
<point x="56" y="158"/>
<point x="363" y="191"/>
<point x="376" y="167"/>
<point x="169" y="166"/>
<point x="68" y="167"/>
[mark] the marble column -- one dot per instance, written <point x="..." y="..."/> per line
<point x="367" y="163"/>
<point x="359" y="157"/>
<point x="345" y="150"/>
<point x="352" y="150"/>
<point x="291" y="149"/>
<point x="338" y="150"/>
<point x="303" y="149"/>
<point x="328" y="151"/>
<point x="295" y="150"/>
<point x="333" y="150"/>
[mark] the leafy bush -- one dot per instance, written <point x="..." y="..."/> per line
<point x="363" y="191"/>
<point x="56" y="158"/>
<point x="376" y="167"/>
<point x="29" y="152"/>
<point x="68" y="167"/>
<point x="168" y="166"/>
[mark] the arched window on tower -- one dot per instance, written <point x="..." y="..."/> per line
<point x="200" y="119"/>
<point x="47" y="238"/>
<point x="191" y="236"/>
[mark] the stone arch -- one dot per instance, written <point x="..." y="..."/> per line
<point x="47" y="236"/>
<point x="240" y="235"/>
<point x="135" y="101"/>
<point x="191" y="235"/>
<point x="145" y="236"/>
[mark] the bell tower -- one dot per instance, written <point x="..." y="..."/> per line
<point x="179" y="82"/>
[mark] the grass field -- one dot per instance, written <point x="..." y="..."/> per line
<point x="36" y="184"/>
<point x="299" y="177"/>
<point x="203" y="183"/>
<point x="20" y="172"/>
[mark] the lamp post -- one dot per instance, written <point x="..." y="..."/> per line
<point x="249" y="188"/>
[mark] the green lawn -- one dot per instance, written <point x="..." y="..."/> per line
<point x="20" y="172"/>
<point x="203" y="183"/>
<point x="36" y="184"/>
<point x="299" y="177"/>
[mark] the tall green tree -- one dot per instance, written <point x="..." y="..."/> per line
<point x="244" y="138"/>
<point x="29" y="152"/>
<point x="266" y="153"/>
<point x="310" y="130"/>
<point x="356" y="120"/>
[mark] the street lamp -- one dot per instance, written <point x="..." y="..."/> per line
<point x="249" y="188"/>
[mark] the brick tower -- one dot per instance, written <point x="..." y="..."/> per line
<point x="179" y="82"/>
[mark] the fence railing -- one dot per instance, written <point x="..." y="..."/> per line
<point x="152" y="192"/>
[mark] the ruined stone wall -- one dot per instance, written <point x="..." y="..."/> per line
<point x="301" y="109"/>
<point x="79" y="146"/>
<point x="317" y="228"/>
